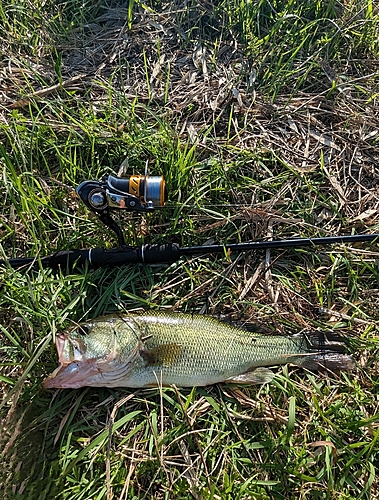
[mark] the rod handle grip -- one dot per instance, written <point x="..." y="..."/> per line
<point x="98" y="257"/>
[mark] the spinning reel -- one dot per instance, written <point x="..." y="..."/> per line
<point x="136" y="193"/>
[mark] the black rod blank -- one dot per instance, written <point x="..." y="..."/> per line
<point x="291" y="243"/>
<point x="169" y="252"/>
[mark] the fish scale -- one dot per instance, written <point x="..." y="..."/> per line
<point x="180" y="349"/>
<point x="214" y="351"/>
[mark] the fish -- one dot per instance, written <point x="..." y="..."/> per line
<point x="164" y="349"/>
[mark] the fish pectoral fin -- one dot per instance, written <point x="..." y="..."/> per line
<point x="258" y="376"/>
<point x="164" y="355"/>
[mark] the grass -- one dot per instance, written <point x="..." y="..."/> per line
<point x="262" y="116"/>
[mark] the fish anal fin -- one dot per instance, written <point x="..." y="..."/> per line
<point x="258" y="376"/>
<point x="163" y="355"/>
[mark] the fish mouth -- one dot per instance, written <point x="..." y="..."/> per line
<point x="74" y="370"/>
<point x="73" y="375"/>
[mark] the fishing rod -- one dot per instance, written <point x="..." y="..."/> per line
<point x="145" y="193"/>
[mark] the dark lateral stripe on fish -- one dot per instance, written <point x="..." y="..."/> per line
<point x="163" y="355"/>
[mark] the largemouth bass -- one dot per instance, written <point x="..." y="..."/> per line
<point x="149" y="349"/>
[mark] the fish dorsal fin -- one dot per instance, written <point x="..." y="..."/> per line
<point x="258" y="376"/>
<point x="163" y="355"/>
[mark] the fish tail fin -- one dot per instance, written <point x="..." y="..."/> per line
<point x="324" y="352"/>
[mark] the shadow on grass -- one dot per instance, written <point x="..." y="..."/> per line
<point x="29" y="461"/>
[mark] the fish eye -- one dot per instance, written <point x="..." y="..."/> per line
<point x="83" y="329"/>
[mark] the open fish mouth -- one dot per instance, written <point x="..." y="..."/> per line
<point x="74" y="375"/>
<point x="77" y="368"/>
<point x="74" y="369"/>
<point x="86" y="372"/>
